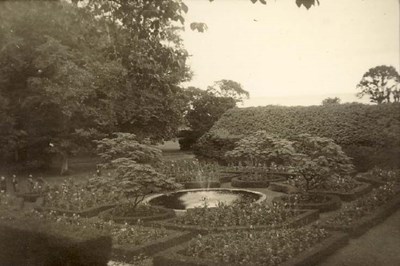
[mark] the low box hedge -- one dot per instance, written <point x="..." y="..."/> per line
<point x="304" y="217"/>
<point x="90" y="212"/>
<point x="311" y="256"/>
<point x="362" y="189"/>
<point x="37" y="242"/>
<point x="29" y="196"/>
<point x="163" y="214"/>
<point x="332" y="204"/>
<point x="128" y="252"/>
<point x="373" y="182"/>
<point x="241" y="182"/>
<point x="281" y="187"/>
<point x="362" y="225"/>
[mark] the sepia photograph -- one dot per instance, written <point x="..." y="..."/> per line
<point x="199" y="132"/>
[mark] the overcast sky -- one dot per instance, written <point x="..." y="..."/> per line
<point x="287" y="55"/>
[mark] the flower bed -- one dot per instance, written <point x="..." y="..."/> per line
<point x="323" y="203"/>
<point x="143" y="213"/>
<point x="360" y="215"/>
<point x="255" y="216"/>
<point x="71" y="198"/>
<point x="356" y="192"/>
<point x="128" y="241"/>
<point x="255" y="180"/>
<point x="301" y="246"/>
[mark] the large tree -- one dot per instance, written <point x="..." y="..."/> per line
<point x="381" y="84"/>
<point x="205" y="107"/>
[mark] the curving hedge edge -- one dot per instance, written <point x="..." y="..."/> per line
<point x="201" y="184"/>
<point x="164" y="214"/>
<point x="357" y="192"/>
<point x="332" y="204"/>
<point x="226" y="176"/>
<point x="238" y="182"/>
<point x="87" y="213"/>
<point x="281" y="187"/>
<point x="312" y="256"/>
<point x="305" y="217"/>
<point x="372" y="181"/>
<point x="363" y="224"/>
<point x="128" y="252"/>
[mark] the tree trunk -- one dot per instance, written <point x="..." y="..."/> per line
<point x="64" y="165"/>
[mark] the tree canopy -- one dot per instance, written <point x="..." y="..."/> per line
<point x="381" y="84"/>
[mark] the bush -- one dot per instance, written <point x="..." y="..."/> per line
<point x="372" y="129"/>
<point x="29" y="239"/>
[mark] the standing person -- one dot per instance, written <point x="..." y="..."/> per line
<point x="15" y="183"/>
<point x="31" y="183"/>
<point x="3" y="184"/>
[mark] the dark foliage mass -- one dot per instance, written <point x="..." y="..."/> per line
<point x="368" y="133"/>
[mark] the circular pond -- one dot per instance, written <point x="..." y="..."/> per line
<point x="191" y="198"/>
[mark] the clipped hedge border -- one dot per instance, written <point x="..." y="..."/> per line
<point x="87" y="213"/>
<point x="128" y="251"/>
<point x="363" y="224"/>
<point x="334" y="203"/>
<point x="362" y="189"/>
<point x="165" y="214"/>
<point x="226" y="176"/>
<point x="308" y="257"/>
<point x="28" y="245"/>
<point x="29" y="196"/>
<point x="305" y="217"/>
<point x="238" y="182"/>
<point x="373" y="182"/>
<point x="281" y="187"/>
<point x="201" y="184"/>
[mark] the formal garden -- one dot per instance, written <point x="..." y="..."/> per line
<point x="319" y="200"/>
<point x="88" y="91"/>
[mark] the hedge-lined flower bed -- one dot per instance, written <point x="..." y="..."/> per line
<point x="350" y="193"/>
<point x="128" y="241"/>
<point x="323" y="203"/>
<point x="255" y="180"/>
<point x="363" y="213"/>
<point x="378" y="177"/>
<point x="125" y="213"/>
<point x="254" y="216"/>
<point x="71" y="198"/>
<point x="274" y="247"/>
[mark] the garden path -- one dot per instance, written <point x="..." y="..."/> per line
<point x="379" y="246"/>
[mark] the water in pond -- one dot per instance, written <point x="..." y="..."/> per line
<point x="185" y="199"/>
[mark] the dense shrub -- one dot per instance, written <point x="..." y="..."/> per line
<point x="368" y="133"/>
<point x="255" y="248"/>
<point x="28" y="238"/>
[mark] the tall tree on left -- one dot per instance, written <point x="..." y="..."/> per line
<point x="55" y="81"/>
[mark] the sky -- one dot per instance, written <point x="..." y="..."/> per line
<point x="287" y="55"/>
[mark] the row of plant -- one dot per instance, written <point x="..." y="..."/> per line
<point x="237" y="214"/>
<point x="366" y="132"/>
<point x="273" y="247"/>
<point x="362" y="207"/>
